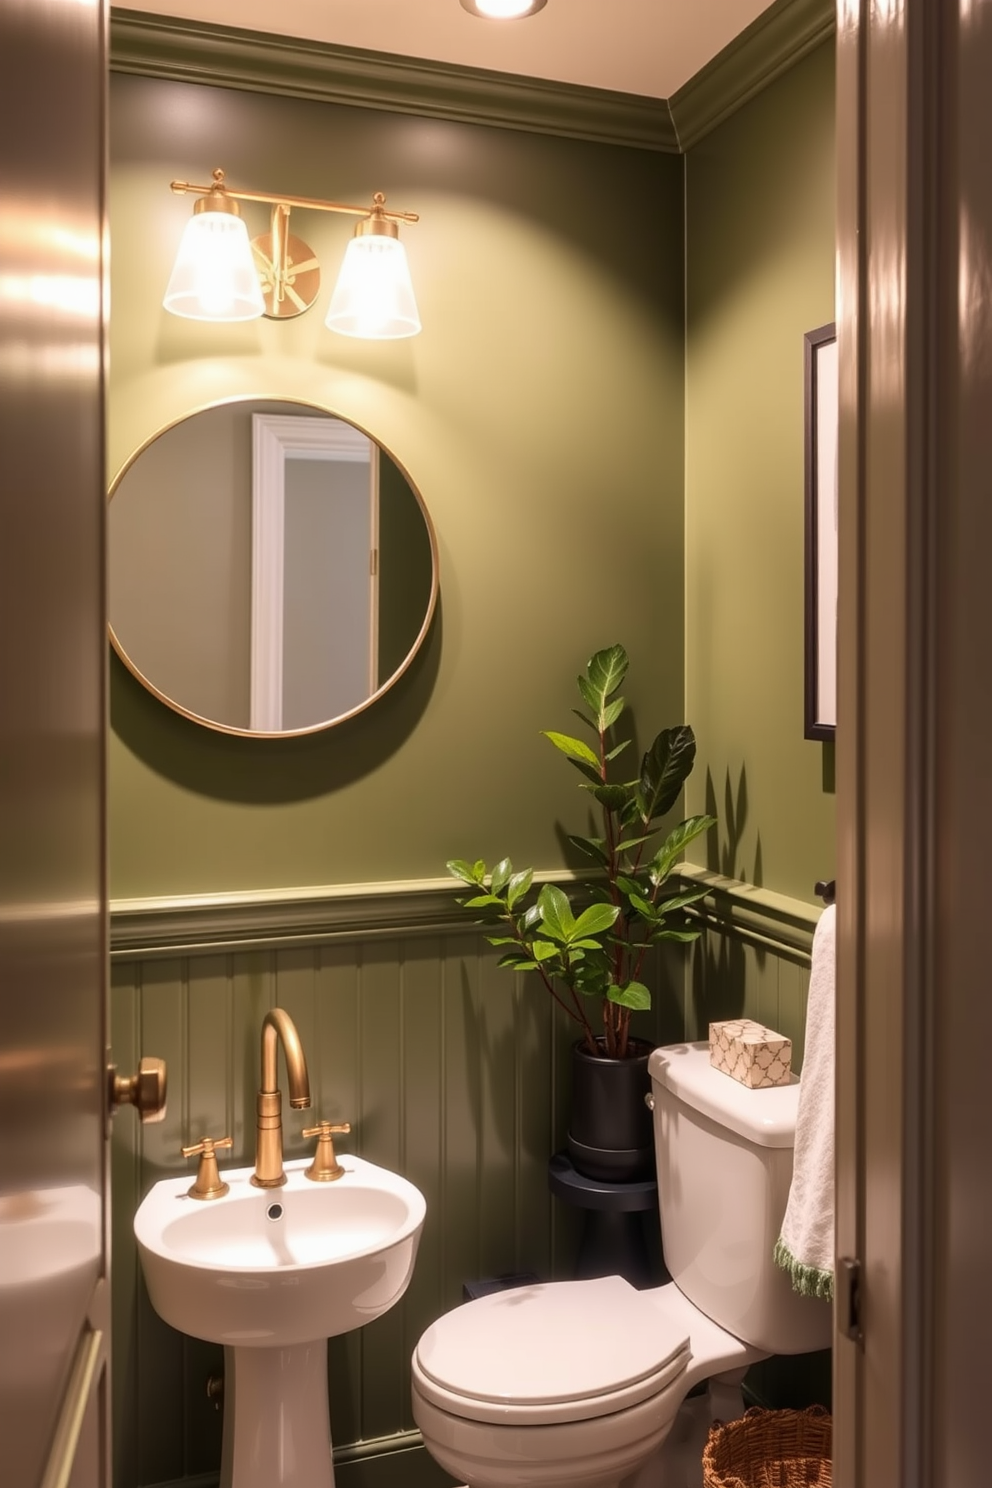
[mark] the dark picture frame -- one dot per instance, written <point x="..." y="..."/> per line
<point x="820" y="386"/>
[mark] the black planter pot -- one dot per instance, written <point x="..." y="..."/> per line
<point x="611" y="1130"/>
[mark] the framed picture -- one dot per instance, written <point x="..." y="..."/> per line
<point x="821" y="532"/>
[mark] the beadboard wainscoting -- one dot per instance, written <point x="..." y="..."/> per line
<point x="451" y="1072"/>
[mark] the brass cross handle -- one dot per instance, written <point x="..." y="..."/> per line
<point x="209" y="1184"/>
<point x="325" y="1166"/>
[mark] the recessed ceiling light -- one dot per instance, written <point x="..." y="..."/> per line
<point x="503" y="10"/>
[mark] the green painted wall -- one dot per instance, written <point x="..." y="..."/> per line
<point x="760" y="273"/>
<point x="540" y="414"/>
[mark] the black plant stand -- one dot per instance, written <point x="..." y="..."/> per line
<point x="620" y="1232"/>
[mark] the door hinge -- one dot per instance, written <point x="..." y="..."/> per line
<point x="849" y="1299"/>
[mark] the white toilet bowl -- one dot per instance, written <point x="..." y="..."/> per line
<point x="577" y="1384"/>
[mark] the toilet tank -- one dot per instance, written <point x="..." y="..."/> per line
<point x="724" y="1159"/>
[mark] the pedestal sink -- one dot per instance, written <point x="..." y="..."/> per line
<point x="272" y="1274"/>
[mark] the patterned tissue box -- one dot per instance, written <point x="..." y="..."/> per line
<point x="751" y="1053"/>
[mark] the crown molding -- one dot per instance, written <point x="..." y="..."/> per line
<point x="780" y="37"/>
<point x="194" y="52"/>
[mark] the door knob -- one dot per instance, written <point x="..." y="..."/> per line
<point x="146" y="1090"/>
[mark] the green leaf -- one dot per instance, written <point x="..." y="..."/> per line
<point x="516" y="963"/>
<point x="592" y="978"/>
<point x="664" y="770"/>
<point x="518" y="886"/>
<point x="593" y="847"/>
<point x="589" y="694"/>
<point x="631" y="814"/>
<point x="574" y="748"/>
<point x="629" y="843"/>
<point x="681" y="900"/>
<point x="543" y="950"/>
<point x="613" y="797"/>
<point x="643" y="906"/>
<point x="634" y="995"/>
<point x="557" y="919"/>
<point x="596" y="776"/>
<point x="587" y="721"/>
<point x="595" y="919"/>
<point x="502" y="939"/>
<point x="629" y="886"/>
<point x="617" y="749"/>
<point x="500" y="876"/>
<point x="530" y="917"/>
<point x="605" y="671"/>
<point x="683" y="935"/>
<point x="482" y="901"/>
<point x="611" y="713"/>
<point x="469" y="873"/>
<point x="595" y="985"/>
<point x="675" y="844"/>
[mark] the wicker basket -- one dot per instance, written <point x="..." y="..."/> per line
<point x="771" y="1449"/>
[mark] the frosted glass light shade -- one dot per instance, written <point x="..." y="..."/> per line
<point x="373" y="298"/>
<point x="214" y="276"/>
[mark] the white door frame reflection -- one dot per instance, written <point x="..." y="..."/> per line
<point x="183" y="554"/>
<point x="341" y="530"/>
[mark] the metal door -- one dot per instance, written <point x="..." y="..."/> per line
<point x="914" y="115"/>
<point x="54" y="1300"/>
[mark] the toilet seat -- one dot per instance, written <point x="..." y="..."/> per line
<point x="570" y="1351"/>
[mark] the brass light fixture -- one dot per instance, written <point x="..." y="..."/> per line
<point x="220" y="276"/>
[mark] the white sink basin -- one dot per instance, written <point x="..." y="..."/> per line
<point x="274" y="1267"/>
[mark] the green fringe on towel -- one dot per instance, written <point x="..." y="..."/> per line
<point x="809" y="1280"/>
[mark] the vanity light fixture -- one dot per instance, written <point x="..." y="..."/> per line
<point x="503" y="10"/>
<point x="219" y="275"/>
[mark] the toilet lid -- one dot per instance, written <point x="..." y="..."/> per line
<point x="571" y="1349"/>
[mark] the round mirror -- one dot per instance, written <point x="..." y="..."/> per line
<point x="272" y="569"/>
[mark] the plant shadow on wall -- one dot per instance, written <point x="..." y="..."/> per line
<point x="507" y="1046"/>
<point x="294" y="768"/>
<point x="719" y="961"/>
<point x="725" y="857"/>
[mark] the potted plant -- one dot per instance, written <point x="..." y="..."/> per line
<point x="590" y="959"/>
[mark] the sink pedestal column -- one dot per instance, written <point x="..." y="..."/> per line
<point x="277" y="1431"/>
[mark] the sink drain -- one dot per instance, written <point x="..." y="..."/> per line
<point x="274" y="1211"/>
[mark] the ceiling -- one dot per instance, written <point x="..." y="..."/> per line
<point x="650" y="47"/>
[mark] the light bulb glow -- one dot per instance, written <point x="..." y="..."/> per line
<point x="214" y="276"/>
<point x="503" y="10"/>
<point x="373" y="298"/>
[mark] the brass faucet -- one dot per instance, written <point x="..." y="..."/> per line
<point x="277" y="1026"/>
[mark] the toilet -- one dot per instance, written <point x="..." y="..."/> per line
<point x="576" y="1384"/>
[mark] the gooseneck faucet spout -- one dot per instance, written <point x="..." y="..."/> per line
<point x="277" y="1027"/>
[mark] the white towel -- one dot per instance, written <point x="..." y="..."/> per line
<point x="805" y="1247"/>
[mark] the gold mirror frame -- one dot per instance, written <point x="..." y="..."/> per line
<point x="382" y="688"/>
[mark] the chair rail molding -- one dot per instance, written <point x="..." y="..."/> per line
<point x="197" y="924"/>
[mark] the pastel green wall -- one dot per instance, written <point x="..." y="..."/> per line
<point x="760" y="273"/>
<point x="540" y="413"/>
